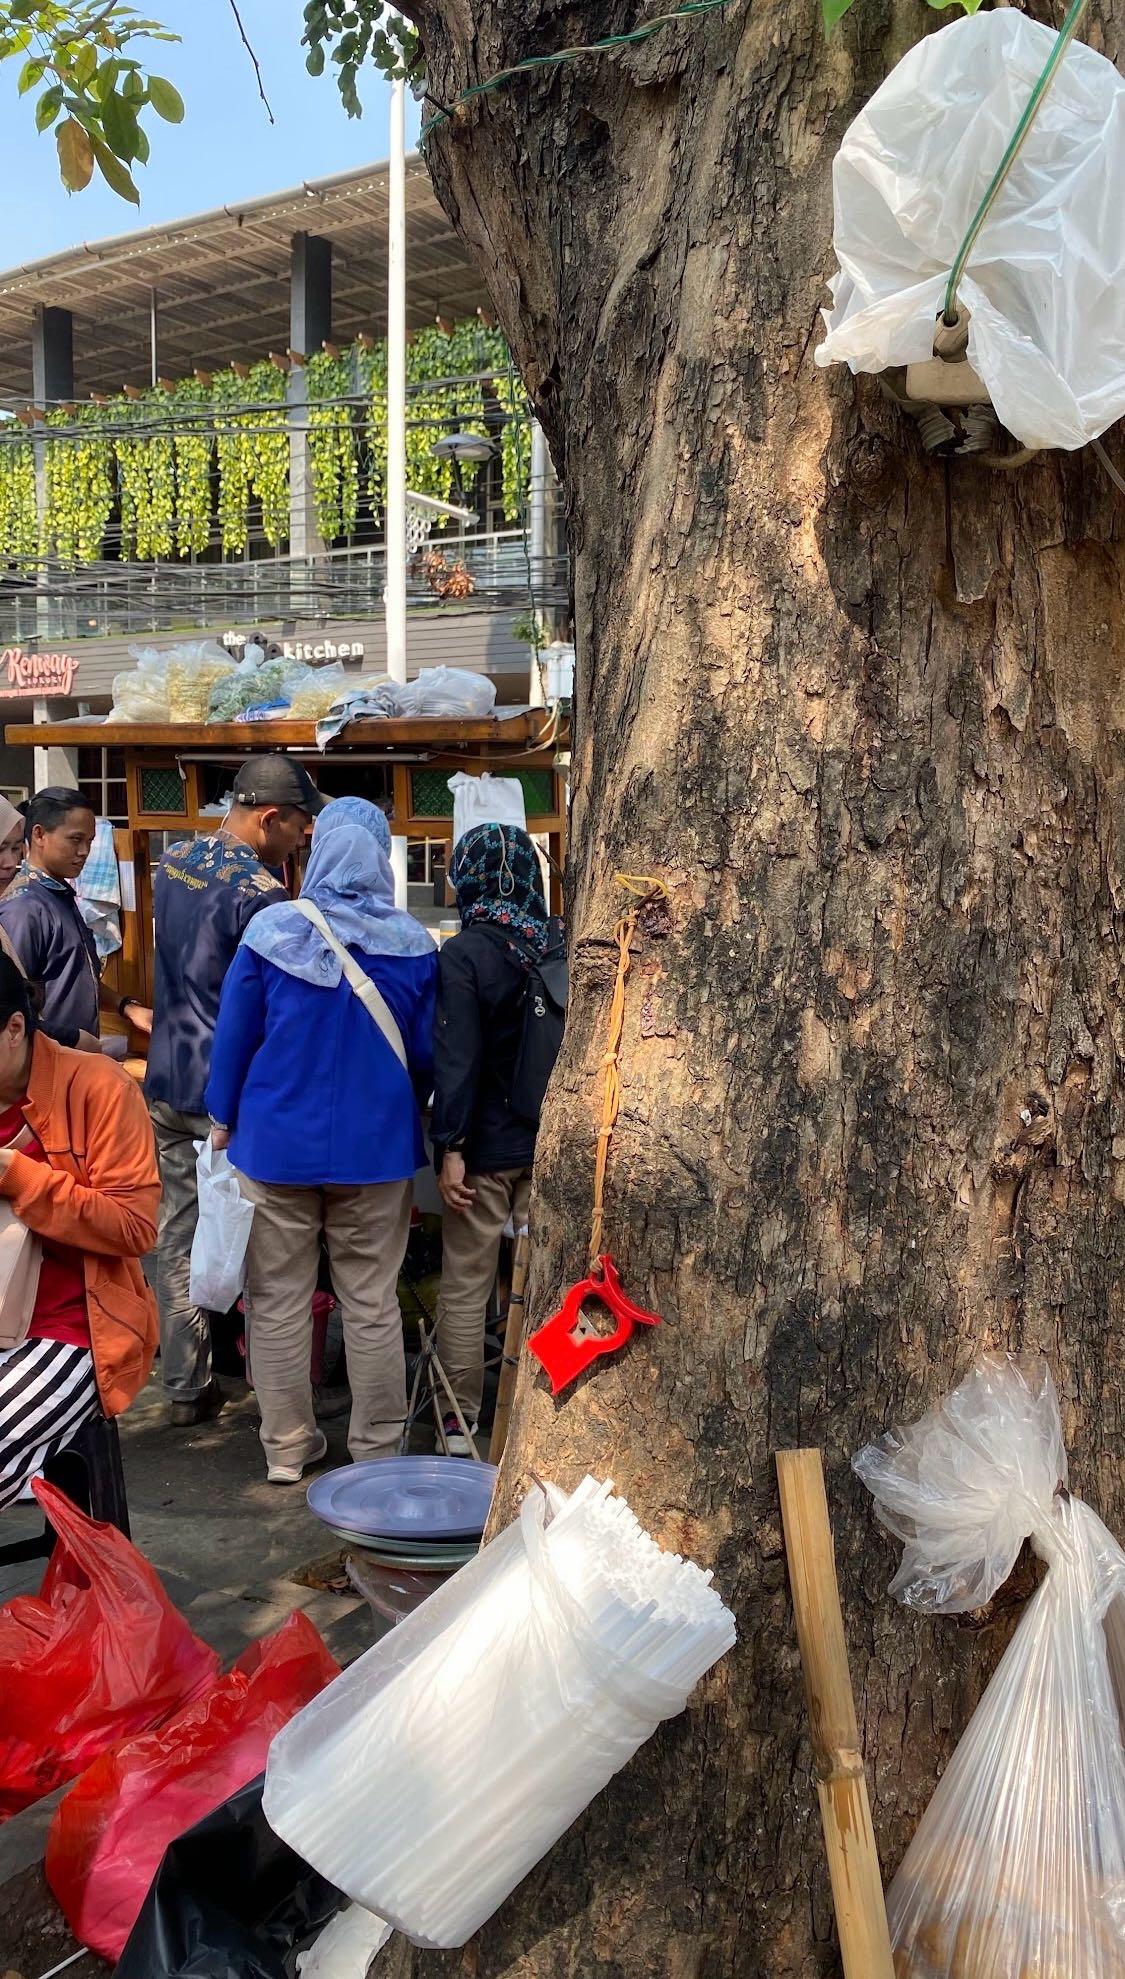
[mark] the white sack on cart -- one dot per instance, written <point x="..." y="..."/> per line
<point x="1045" y="284"/>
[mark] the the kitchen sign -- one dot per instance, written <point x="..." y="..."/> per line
<point x="36" y="673"/>
<point x="314" y="652"/>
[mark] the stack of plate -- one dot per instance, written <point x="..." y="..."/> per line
<point x="415" y="1514"/>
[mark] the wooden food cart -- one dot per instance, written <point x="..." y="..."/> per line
<point x="177" y="775"/>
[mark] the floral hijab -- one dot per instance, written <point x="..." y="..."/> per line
<point x="497" y="879"/>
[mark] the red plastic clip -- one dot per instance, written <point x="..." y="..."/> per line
<point x="561" y="1354"/>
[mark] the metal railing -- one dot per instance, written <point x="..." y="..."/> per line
<point x="54" y="603"/>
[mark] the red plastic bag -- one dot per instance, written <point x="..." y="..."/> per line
<point x="109" y="1833"/>
<point x="98" y="1654"/>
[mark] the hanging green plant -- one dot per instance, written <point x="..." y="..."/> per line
<point x="194" y="444"/>
<point x="132" y="487"/>
<point x="19" y="519"/>
<point x="428" y="361"/>
<point x="269" y="448"/>
<point x="332" y="452"/>
<point x="447" y="376"/>
<point x="78" y="485"/>
<point x="234" y="448"/>
<point x="157" y="522"/>
<point x="58" y="534"/>
<point x="145" y="452"/>
<point x="94" y="483"/>
<point x="515" y="443"/>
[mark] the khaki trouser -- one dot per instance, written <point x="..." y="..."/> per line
<point x="185" y="1330"/>
<point x="366" y="1229"/>
<point x="470" y="1242"/>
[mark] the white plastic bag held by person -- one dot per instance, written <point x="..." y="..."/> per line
<point x="218" y="1250"/>
<point x="1018" y="1866"/>
<point x="1045" y="283"/>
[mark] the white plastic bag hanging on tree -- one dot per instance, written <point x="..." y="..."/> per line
<point x="1018" y="1866"/>
<point x="1045" y="284"/>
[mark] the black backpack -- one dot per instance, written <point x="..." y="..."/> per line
<point x="544" y="1016"/>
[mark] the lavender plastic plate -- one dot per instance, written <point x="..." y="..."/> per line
<point x="420" y="1498"/>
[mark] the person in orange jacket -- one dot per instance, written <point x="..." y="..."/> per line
<point x="77" y="1166"/>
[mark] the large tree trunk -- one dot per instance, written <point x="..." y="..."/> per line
<point x="863" y="715"/>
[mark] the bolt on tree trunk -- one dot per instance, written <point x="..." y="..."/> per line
<point x="863" y="714"/>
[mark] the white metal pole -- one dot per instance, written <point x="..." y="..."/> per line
<point x="394" y="598"/>
<point x="537" y="548"/>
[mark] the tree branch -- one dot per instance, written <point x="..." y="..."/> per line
<point x="253" y="58"/>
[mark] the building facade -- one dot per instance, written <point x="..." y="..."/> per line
<point x="192" y="447"/>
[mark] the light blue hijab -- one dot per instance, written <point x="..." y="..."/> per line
<point x="349" y="878"/>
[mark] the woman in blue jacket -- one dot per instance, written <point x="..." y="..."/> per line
<point x="318" y="1099"/>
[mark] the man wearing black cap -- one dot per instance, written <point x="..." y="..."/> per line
<point x="205" y="892"/>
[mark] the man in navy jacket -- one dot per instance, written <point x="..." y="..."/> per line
<point x="206" y="891"/>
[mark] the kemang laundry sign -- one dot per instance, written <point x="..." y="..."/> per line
<point x="36" y="673"/>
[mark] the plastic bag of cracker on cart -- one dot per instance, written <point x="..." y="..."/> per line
<point x="1017" y="1870"/>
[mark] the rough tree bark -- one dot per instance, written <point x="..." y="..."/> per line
<point x="864" y="715"/>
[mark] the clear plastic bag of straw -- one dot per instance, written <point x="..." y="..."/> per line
<point x="442" y="1765"/>
<point x="1017" y="1870"/>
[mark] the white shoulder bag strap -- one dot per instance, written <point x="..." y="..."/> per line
<point x="375" y="1005"/>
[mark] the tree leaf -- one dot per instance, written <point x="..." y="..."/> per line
<point x="85" y="65"/>
<point x="31" y="73"/>
<point x="141" y="154"/>
<point x="113" y="172"/>
<point x="119" y="122"/>
<point x="48" y="107"/>
<point x="834" y="10"/>
<point x="76" y="155"/>
<point x="166" y="100"/>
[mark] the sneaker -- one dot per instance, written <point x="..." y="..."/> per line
<point x="457" y="1442"/>
<point x="200" y="1408"/>
<point x="293" y="1473"/>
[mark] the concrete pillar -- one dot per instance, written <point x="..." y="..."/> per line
<point x="53" y="766"/>
<point x="52" y="354"/>
<point x="52" y="378"/>
<point x="310" y="326"/>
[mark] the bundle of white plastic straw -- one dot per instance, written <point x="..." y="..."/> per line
<point x="437" y="1770"/>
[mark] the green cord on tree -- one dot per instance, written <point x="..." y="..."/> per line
<point x="570" y="55"/>
<point x="1051" y="67"/>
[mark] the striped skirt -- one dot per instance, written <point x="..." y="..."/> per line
<point x="47" y="1391"/>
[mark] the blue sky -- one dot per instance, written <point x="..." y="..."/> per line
<point x="225" y="149"/>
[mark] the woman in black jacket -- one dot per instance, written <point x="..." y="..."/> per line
<point x="483" y="1144"/>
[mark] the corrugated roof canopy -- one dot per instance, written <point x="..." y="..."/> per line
<point x="222" y="282"/>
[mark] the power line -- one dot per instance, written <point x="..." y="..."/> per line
<point x="603" y="47"/>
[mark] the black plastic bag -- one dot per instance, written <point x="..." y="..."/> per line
<point x="230" y="1900"/>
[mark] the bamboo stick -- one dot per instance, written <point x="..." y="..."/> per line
<point x="513" y="1342"/>
<point x="849" y="1839"/>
